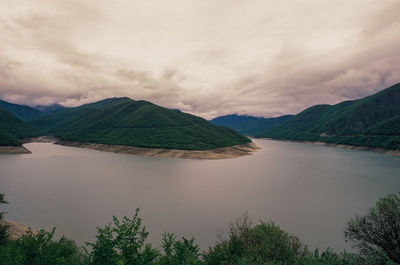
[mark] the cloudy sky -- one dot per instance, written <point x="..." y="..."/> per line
<point x="206" y="57"/>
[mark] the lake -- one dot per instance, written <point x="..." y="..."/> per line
<point x="309" y="190"/>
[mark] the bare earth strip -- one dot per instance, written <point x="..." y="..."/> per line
<point x="14" y="150"/>
<point x="16" y="230"/>
<point x="353" y="147"/>
<point x="218" y="153"/>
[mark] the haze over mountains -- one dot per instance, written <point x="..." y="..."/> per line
<point x="249" y="125"/>
<point x="373" y="121"/>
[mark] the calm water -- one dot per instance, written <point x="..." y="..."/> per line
<point x="309" y="190"/>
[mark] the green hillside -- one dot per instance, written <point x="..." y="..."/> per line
<point x="249" y="125"/>
<point x="372" y="121"/>
<point x="20" y="111"/>
<point x="123" y="121"/>
<point x="13" y="129"/>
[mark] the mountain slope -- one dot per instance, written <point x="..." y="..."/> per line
<point x="48" y="109"/>
<point x="20" y="111"/>
<point x="249" y="125"/>
<point x="371" y="121"/>
<point x="123" y="121"/>
<point x="13" y="129"/>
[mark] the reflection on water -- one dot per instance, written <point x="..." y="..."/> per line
<point x="309" y="190"/>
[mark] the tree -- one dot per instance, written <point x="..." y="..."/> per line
<point x="377" y="234"/>
<point x="123" y="242"/>
<point x="3" y="228"/>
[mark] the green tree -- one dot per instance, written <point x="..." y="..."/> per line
<point x="40" y="249"/>
<point x="377" y="234"/>
<point x="177" y="252"/>
<point x="123" y="242"/>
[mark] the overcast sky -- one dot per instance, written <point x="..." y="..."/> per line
<point x="206" y="57"/>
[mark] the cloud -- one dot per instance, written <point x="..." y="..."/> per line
<point x="205" y="57"/>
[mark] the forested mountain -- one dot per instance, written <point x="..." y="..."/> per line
<point x="371" y="121"/>
<point x="13" y="129"/>
<point x="22" y="112"/>
<point x="249" y="125"/>
<point x="123" y="121"/>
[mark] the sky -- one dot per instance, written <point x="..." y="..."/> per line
<point x="206" y="57"/>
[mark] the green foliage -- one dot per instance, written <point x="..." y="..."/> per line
<point x="123" y="242"/>
<point x="372" y="121"/>
<point x="122" y="121"/>
<point x="249" y="125"/>
<point x="40" y="249"/>
<point x="377" y="234"/>
<point x="178" y="252"/>
<point x="264" y="243"/>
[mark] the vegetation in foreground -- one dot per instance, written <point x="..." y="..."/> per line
<point x="376" y="236"/>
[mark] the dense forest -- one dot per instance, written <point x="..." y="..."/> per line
<point x="123" y="121"/>
<point x="115" y="121"/>
<point x="372" y="121"/>
<point x="124" y="241"/>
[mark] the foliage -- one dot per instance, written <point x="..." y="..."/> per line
<point x="123" y="121"/>
<point x="372" y="121"/>
<point x="377" y="235"/>
<point x="40" y="249"/>
<point x="123" y="242"/>
<point x="178" y="252"/>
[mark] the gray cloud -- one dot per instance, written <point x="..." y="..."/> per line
<point x="205" y="57"/>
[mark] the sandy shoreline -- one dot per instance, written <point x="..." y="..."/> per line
<point x="218" y="153"/>
<point x="14" y="150"/>
<point x="353" y="147"/>
<point x="16" y="230"/>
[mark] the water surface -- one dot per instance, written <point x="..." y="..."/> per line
<point x="309" y="190"/>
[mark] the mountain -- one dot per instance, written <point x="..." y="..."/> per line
<point x="22" y="112"/>
<point x="371" y="121"/>
<point x="48" y="109"/>
<point x="13" y="129"/>
<point x="249" y="125"/>
<point x="123" y="121"/>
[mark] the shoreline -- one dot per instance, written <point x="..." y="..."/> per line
<point x="14" y="150"/>
<point x="16" y="230"/>
<point x="212" y="154"/>
<point x="345" y="146"/>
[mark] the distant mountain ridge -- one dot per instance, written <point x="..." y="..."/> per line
<point x="12" y="129"/>
<point x="249" y="125"/>
<point x="25" y="113"/>
<point x="372" y="121"/>
<point x="22" y="112"/>
<point x="123" y="121"/>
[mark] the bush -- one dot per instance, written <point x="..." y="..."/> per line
<point x="377" y="235"/>
<point x="40" y="249"/>
<point x="123" y="242"/>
